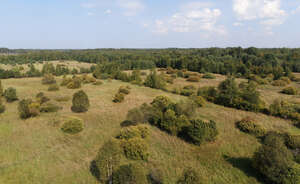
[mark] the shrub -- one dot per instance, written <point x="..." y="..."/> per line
<point x="48" y="79"/>
<point x="87" y="79"/>
<point x="2" y="107"/>
<point x="155" y="176"/>
<point x="208" y="76"/>
<point x="10" y="94"/>
<point x="275" y="161"/>
<point x="107" y="160"/>
<point x="49" y="107"/>
<point x="118" y="98"/>
<point x="186" y="107"/>
<point x="135" y="149"/>
<point x="98" y="83"/>
<point x="41" y="98"/>
<point x="124" y="90"/>
<point x="292" y="141"/>
<point x="209" y="93"/>
<point x="289" y="91"/>
<point x="258" y="79"/>
<point x="72" y="126"/>
<point x="161" y="102"/>
<point x="130" y="174"/>
<point x="53" y="87"/>
<point x="189" y="176"/>
<point x="248" y="125"/>
<point x="80" y="102"/>
<point x="199" y="100"/>
<point x="139" y="131"/>
<point x="62" y="98"/>
<point x="28" y="109"/>
<point x="155" y="81"/>
<point x="65" y="81"/>
<point x="1" y="89"/>
<point x="279" y="83"/>
<point x="75" y="83"/>
<point x="193" y="79"/>
<point x="199" y="132"/>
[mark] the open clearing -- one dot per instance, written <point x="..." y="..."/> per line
<point x="36" y="151"/>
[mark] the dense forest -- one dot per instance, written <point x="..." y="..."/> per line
<point x="214" y="60"/>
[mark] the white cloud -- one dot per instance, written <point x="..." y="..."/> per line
<point x="131" y="7"/>
<point x="90" y="14"/>
<point x="192" y="17"/>
<point x="268" y="12"/>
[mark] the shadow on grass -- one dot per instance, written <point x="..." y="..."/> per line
<point x="244" y="164"/>
<point x="94" y="170"/>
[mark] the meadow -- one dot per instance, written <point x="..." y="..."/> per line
<point x="37" y="151"/>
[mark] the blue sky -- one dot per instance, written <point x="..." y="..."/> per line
<point x="76" y="24"/>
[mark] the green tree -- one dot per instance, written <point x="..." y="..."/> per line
<point x="228" y="92"/>
<point x="10" y="94"/>
<point x="130" y="174"/>
<point x="80" y="102"/>
<point x="155" y="81"/>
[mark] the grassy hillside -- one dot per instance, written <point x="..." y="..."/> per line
<point x="36" y="151"/>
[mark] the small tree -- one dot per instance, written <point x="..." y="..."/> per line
<point x="155" y="81"/>
<point x="80" y="102"/>
<point x="275" y="161"/>
<point x="108" y="160"/>
<point x="27" y="108"/>
<point x="10" y="94"/>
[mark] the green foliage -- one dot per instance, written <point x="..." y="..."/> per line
<point x="27" y="108"/>
<point x="72" y="126"/>
<point x="10" y="94"/>
<point x="289" y="91"/>
<point x="80" y="102"/>
<point x="48" y="79"/>
<point x="119" y="98"/>
<point x="108" y="160"/>
<point x="282" y="109"/>
<point x="155" y="81"/>
<point x="139" y="131"/>
<point x="208" y="76"/>
<point x="62" y="98"/>
<point x="53" y="87"/>
<point x="41" y="98"/>
<point x="228" y="92"/>
<point x="279" y="83"/>
<point x="1" y="89"/>
<point x="199" y="132"/>
<point x="292" y="141"/>
<point x="186" y="107"/>
<point x="135" y="148"/>
<point x="199" y="100"/>
<point x="173" y="124"/>
<point x="189" y="176"/>
<point x="275" y="161"/>
<point x="161" y="102"/>
<point x="209" y="93"/>
<point x="130" y="174"/>
<point x="248" y="125"/>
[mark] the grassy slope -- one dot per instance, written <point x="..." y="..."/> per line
<point x="36" y="151"/>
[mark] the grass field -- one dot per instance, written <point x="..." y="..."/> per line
<point x="36" y="151"/>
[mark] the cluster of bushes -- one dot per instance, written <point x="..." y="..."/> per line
<point x="193" y="79"/>
<point x="120" y="95"/>
<point x="285" y="110"/>
<point x="80" y="102"/>
<point x="275" y="161"/>
<point x="174" y="118"/>
<point x="155" y="81"/>
<point x="290" y="91"/>
<point x="133" y="142"/>
<point x="48" y="79"/>
<point x="243" y="96"/>
<point x="30" y="108"/>
<point x="283" y="81"/>
<point x="249" y="125"/>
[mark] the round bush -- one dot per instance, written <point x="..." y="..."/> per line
<point x="28" y="109"/>
<point x="289" y="91"/>
<point x="41" y="98"/>
<point x="135" y="149"/>
<point x="248" y="125"/>
<point x="130" y="174"/>
<point x="193" y="79"/>
<point x="199" y="132"/>
<point x="199" y="100"/>
<point x="140" y="131"/>
<point x="75" y="84"/>
<point x="208" y="76"/>
<point x="119" y="97"/>
<point x="72" y="126"/>
<point x="80" y="102"/>
<point x="10" y="94"/>
<point x="53" y="87"/>
<point x="124" y="90"/>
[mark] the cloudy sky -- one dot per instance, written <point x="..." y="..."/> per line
<point x="149" y="23"/>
